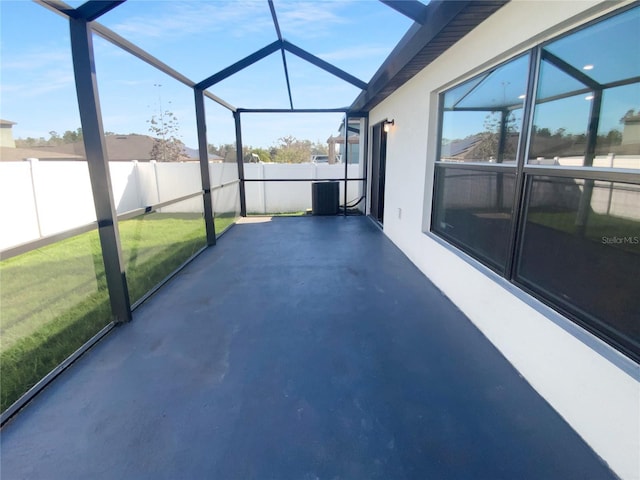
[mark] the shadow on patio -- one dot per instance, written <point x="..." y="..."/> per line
<point x="296" y="348"/>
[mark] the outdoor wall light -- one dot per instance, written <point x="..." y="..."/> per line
<point x="388" y="124"/>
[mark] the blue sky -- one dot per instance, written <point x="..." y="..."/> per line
<point x="197" y="38"/>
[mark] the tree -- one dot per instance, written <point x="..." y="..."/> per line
<point x="292" y="150"/>
<point x="630" y="114"/>
<point x="560" y="133"/>
<point x="30" y="142"/>
<point x="489" y="145"/>
<point x="167" y="147"/>
<point x="288" y="150"/>
<point x="542" y="132"/>
<point x="319" y="148"/>
<point x="227" y="151"/>
<point x="614" y="137"/>
<point x="55" y="139"/>
<point x="72" y="136"/>
<point x="264" y="155"/>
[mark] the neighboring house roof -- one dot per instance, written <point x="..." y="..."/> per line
<point x="11" y="154"/>
<point x="6" y="122"/>
<point x="119" y="148"/>
<point x="458" y="148"/>
<point x="129" y="147"/>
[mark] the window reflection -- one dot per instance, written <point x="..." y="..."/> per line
<point x="501" y="89"/>
<point x="456" y="94"/>
<point x="587" y="111"/>
<point x="577" y="242"/>
<point x="581" y="247"/>
<point x="557" y="138"/>
<point x="482" y="117"/>
<point x="618" y="141"/>
<point x="474" y="210"/>
<point x="556" y="83"/>
<point x="495" y="140"/>
<point x="605" y="50"/>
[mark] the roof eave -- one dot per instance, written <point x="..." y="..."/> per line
<point x="446" y="22"/>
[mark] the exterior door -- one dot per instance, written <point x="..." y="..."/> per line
<point x="378" y="166"/>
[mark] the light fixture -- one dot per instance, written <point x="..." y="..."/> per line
<point x="522" y="97"/>
<point x="387" y="124"/>
<point x="589" y="97"/>
<point x="588" y="66"/>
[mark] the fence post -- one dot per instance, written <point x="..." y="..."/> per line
<point x="33" y="165"/>
<point x="138" y="184"/>
<point x="157" y="180"/>
<point x="263" y="187"/>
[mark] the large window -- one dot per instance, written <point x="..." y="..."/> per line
<point x="580" y="243"/>
<point x="538" y="175"/>
<point x="475" y="181"/>
<point x="474" y="210"/>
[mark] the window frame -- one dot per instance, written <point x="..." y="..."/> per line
<point x="525" y="174"/>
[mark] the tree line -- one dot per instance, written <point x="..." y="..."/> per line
<point x="289" y="149"/>
<point x="168" y="147"/>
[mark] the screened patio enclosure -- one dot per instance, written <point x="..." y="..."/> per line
<point x="121" y="229"/>
<point x="175" y="303"/>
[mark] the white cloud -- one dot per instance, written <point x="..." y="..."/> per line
<point x="357" y="53"/>
<point x="44" y="82"/>
<point x="310" y="19"/>
<point x="171" y="20"/>
<point x="51" y="82"/>
<point x="35" y="59"/>
<point x="180" y="19"/>
<point x="31" y="73"/>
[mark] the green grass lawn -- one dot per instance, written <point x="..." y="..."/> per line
<point x="53" y="299"/>
<point x="598" y="226"/>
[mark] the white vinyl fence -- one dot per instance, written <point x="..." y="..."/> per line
<point x="285" y="197"/>
<point x="41" y="198"/>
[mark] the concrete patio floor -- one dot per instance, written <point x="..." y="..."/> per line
<point x="297" y="348"/>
